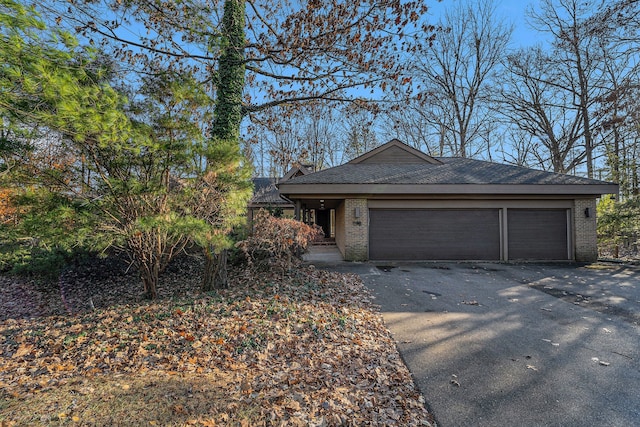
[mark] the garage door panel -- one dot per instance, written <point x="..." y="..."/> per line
<point x="434" y="234"/>
<point x="537" y="234"/>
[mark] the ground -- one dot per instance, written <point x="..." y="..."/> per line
<point x="500" y="344"/>
<point x="308" y="348"/>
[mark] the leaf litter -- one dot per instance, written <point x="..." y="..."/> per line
<point x="305" y="349"/>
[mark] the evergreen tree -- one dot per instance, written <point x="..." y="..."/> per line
<point x="137" y="176"/>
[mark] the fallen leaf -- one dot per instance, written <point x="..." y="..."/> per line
<point x="178" y="409"/>
<point x="320" y="346"/>
<point x="22" y="350"/>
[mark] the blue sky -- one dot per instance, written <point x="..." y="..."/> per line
<point x="513" y="11"/>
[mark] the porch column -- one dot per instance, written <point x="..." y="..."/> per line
<point x="296" y="213"/>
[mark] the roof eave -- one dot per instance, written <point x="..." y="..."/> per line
<point x="594" y="190"/>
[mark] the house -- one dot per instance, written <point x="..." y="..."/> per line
<point x="398" y="203"/>
<point x="266" y="195"/>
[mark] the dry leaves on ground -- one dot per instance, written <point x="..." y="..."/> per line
<point x="308" y="349"/>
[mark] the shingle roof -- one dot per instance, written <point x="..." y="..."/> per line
<point x="265" y="192"/>
<point x="453" y="170"/>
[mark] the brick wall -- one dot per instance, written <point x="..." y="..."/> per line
<point x="356" y="230"/>
<point x="584" y="230"/>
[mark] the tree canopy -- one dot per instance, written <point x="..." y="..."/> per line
<point x="292" y="51"/>
<point x="132" y="174"/>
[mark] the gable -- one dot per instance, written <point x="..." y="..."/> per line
<point x="393" y="155"/>
<point x="394" y="152"/>
<point x="295" y="172"/>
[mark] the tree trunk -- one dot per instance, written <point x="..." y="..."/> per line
<point x="150" y="282"/>
<point x="227" y="114"/>
<point x="215" y="270"/>
<point x="231" y="70"/>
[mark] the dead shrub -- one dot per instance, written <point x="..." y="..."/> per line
<point x="277" y="242"/>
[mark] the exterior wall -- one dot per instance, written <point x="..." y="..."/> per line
<point x="340" y="232"/>
<point x="352" y="234"/>
<point x="356" y="230"/>
<point x="394" y="155"/>
<point x="584" y="230"/>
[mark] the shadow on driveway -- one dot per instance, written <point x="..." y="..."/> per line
<point x="516" y="345"/>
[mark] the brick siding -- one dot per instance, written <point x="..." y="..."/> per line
<point x="584" y="230"/>
<point x="356" y="230"/>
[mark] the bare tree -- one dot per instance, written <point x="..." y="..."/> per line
<point x="520" y="148"/>
<point x="300" y="134"/>
<point x="578" y="60"/>
<point x="413" y="123"/>
<point x="359" y="132"/>
<point x="618" y="27"/>
<point x="536" y="105"/>
<point x="319" y="136"/>
<point x="454" y="73"/>
<point x="284" y="148"/>
<point x="577" y="97"/>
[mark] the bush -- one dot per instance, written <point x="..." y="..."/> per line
<point x="619" y="227"/>
<point x="46" y="233"/>
<point x="277" y="242"/>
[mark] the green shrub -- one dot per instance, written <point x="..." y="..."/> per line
<point x="619" y="226"/>
<point x="50" y="232"/>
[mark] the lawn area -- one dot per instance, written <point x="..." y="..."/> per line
<point x="307" y="349"/>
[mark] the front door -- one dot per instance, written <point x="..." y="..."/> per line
<point x="323" y="219"/>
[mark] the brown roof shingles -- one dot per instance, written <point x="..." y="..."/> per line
<point x="453" y="170"/>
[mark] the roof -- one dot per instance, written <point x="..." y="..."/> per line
<point x="297" y="171"/>
<point x="453" y="170"/>
<point x="265" y="192"/>
<point x="390" y="171"/>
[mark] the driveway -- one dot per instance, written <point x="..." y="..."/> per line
<point x="516" y="345"/>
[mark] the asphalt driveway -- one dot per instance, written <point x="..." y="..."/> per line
<point x="516" y="345"/>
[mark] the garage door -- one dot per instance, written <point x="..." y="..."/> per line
<point x="537" y="234"/>
<point x="434" y="234"/>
